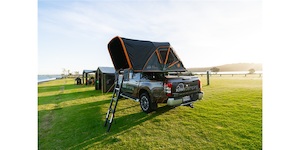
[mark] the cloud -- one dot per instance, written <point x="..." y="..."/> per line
<point x="195" y="28"/>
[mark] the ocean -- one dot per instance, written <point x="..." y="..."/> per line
<point x="44" y="78"/>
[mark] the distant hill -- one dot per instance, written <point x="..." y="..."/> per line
<point x="231" y="67"/>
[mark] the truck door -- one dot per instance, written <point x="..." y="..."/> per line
<point x="133" y="84"/>
<point x="130" y="83"/>
<point x="125" y="89"/>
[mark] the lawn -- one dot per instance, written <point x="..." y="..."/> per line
<point x="229" y="117"/>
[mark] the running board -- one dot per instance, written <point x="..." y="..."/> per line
<point x="137" y="100"/>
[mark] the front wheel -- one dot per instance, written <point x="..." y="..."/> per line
<point x="146" y="104"/>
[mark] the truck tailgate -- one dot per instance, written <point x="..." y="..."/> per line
<point x="183" y="85"/>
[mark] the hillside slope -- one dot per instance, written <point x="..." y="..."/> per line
<point x="231" y="67"/>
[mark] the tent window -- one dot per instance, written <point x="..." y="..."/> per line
<point x="171" y="58"/>
<point x="153" y="63"/>
<point x="163" y="54"/>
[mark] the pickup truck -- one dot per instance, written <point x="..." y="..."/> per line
<point x="150" y="88"/>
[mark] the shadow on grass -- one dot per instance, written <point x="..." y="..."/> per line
<point x="122" y="109"/>
<point x="129" y="121"/>
<point x="79" y="124"/>
<point x="120" y="125"/>
<point x="43" y="89"/>
<point x="60" y="97"/>
<point x="69" y="125"/>
<point x="205" y="85"/>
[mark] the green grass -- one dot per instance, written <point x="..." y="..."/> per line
<point x="229" y="117"/>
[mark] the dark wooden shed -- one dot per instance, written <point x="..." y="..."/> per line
<point x="85" y="75"/>
<point x="105" y="78"/>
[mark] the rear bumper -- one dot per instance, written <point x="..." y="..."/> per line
<point x="200" y="95"/>
<point x="179" y="101"/>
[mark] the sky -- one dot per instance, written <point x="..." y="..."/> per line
<point x="73" y="34"/>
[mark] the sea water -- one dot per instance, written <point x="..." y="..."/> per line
<point x="44" y="78"/>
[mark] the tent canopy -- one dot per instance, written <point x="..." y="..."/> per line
<point x="143" y="56"/>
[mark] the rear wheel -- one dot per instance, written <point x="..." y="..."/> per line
<point x="146" y="104"/>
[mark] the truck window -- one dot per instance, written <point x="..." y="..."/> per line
<point x="127" y="74"/>
<point x="154" y="76"/>
<point x="145" y="76"/>
<point x="136" y="76"/>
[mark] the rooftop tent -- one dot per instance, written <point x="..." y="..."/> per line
<point x="143" y="56"/>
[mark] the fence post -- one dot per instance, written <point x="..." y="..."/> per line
<point x="207" y="75"/>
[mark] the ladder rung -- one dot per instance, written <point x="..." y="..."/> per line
<point x="117" y="92"/>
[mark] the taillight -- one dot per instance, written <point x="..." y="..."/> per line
<point x="168" y="89"/>
<point x="200" y="85"/>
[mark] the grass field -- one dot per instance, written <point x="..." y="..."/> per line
<point x="229" y="117"/>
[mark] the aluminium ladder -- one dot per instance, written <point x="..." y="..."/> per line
<point x="114" y="101"/>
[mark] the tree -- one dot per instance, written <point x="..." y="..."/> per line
<point x="251" y="71"/>
<point x="76" y="73"/>
<point x="64" y="72"/>
<point x="215" y="69"/>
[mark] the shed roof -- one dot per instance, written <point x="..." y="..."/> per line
<point x="107" y="70"/>
<point x="89" y="71"/>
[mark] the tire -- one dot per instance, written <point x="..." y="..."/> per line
<point x="146" y="104"/>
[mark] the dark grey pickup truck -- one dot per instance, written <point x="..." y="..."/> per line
<point x="150" y="88"/>
<point x="147" y="68"/>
